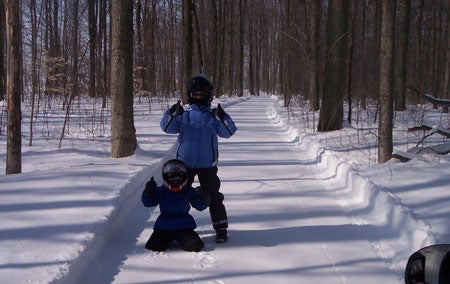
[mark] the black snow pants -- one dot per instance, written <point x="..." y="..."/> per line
<point x="208" y="179"/>
<point x="160" y="240"/>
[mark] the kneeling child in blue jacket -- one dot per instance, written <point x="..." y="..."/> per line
<point x="175" y="199"/>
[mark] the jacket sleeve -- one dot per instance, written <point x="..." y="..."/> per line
<point x="226" y="127"/>
<point x="170" y="124"/>
<point x="196" y="202"/>
<point x="152" y="200"/>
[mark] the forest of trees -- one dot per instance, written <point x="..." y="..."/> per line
<point x="325" y="52"/>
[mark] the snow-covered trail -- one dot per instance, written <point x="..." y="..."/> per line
<point x="285" y="226"/>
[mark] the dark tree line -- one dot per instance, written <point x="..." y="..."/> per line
<point x="324" y="52"/>
<point x="280" y="46"/>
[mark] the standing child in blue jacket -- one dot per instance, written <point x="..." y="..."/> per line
<point x="198" y="130"/>
<point x="175" y="199"/>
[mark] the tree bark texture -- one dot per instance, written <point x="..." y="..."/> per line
<point x="187" y="46"/>
<point x="313" y="22"/>
<point x="123" y="132"/>
<point x="332" y="112"/>
<point x="400" y="98"/>
<point x="92" y="22"/>
<point x="385" y="125"/>
<point x="13" y="86"/>
<point x="2" y="51"/>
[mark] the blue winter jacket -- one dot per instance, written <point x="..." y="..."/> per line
<point x="174" y="207"/>
<point x="198" y="129"/>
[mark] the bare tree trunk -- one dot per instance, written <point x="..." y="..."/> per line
<point x="92" y="22"/>
<point x="400" y="97"/>
<point x="313" y="20"/>
<point x="350" y="63"/>
<point x="187" y="46"/>
<point x="417" y="55"/>
<point x="200" y="65"/>
<point x="14" y="86"/>
<point x="251" y="42"/>
<point x="34" y="63"/>
<point x="103" y="51"/>
<point x="152" y="64"/>
<point x="2" y="51"/>
<point x="364" y="92"/>
<point x="229" y="84"/>
<point x="55" y="71"/>
<point x="332" y="113"/>
<point x="138" y="50"/>
<point x="242" y="6"/>
<point x="123" y="131"/>
<point x="258" y="45"/>
<point x="148" y="49"/>
<point x="215" y="40"/>
<point x="447" y="60"/>
<point x="218" y="82"/>
<point x="142" y="24"/>
<point x="385" y="125"/>
<point x="75" y="68"/>
<point x="441" y="48"/>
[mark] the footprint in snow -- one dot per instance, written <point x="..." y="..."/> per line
<point x="159" y="255"/>
<point x="205" y="261"/>
<point x="151" y="255"/>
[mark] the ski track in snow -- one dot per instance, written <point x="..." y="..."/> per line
<point x="101" y="262"/>
<point x="324" y="246"/>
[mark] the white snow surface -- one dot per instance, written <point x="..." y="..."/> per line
<point x="303" y="207"/>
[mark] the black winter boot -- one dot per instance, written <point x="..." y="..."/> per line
<point x="221" y="235"/>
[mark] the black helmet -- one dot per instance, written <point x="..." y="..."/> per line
<point x="199" y="90"/>
<point x="174" y="173"/>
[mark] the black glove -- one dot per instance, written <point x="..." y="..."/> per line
<point x="219" y="112"/>
<point x="150" y="187"/>
<point x="176" y="109"/>
<point x="203" y="194"/>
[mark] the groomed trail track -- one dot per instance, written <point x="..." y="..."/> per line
<point x="290" y="222"/>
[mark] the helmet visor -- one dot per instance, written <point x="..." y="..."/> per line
<point x="175" y="181"/>
<point x="175" y="178"/>
<point x="199" y="95"/>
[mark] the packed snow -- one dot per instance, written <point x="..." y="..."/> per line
<point x="303" y="207"/>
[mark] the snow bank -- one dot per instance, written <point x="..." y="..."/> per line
<point x="364" y="201"/>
